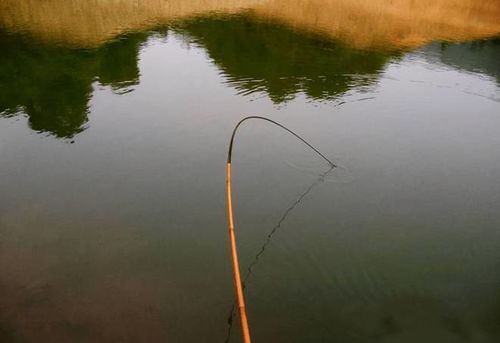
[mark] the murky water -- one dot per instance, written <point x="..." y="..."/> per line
<point x="112" y="215"/>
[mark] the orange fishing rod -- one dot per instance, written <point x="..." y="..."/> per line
<point x="232" y="237"/>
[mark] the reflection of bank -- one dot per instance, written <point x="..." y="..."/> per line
<point x="53" y="84"/>
<point x="256" y="56"/>
<point x="479" y="56"/>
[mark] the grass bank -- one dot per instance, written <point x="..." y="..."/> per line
<point x="364" y="24"/>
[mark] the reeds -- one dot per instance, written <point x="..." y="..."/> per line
<point x="88" y="23"/>
<point x="365" y="24"/>
<point x="382" y="23"/>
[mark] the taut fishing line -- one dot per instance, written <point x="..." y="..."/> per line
<point x="266" y="243"/>
<point x="239" y="285"/>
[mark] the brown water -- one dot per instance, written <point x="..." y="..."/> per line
<point x="112" y="215"/>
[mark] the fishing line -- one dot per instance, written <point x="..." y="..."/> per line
<point x="278" y="225"/>
<point x="239" y="286"/>
<point x="257" y="257"/>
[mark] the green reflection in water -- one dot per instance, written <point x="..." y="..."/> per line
<point x="260" y="56"/>
<point x="53" y="84"/>
<point x="479" y="56"/>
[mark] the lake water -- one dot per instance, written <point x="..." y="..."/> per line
<point x="112" y="174"/>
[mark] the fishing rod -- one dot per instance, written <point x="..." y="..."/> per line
<point x="232" y="237"/>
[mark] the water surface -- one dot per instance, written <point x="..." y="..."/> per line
<point x="112" y="219"/>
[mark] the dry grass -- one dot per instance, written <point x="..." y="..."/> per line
<point x="374" y="23"/>
<point x="90" y="22"/>
<point x="400" y="23"/>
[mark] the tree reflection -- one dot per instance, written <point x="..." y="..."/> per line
<point x="478" y="56"/>
<point x="258" y="56"/>
<point x="53" y="84"/>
